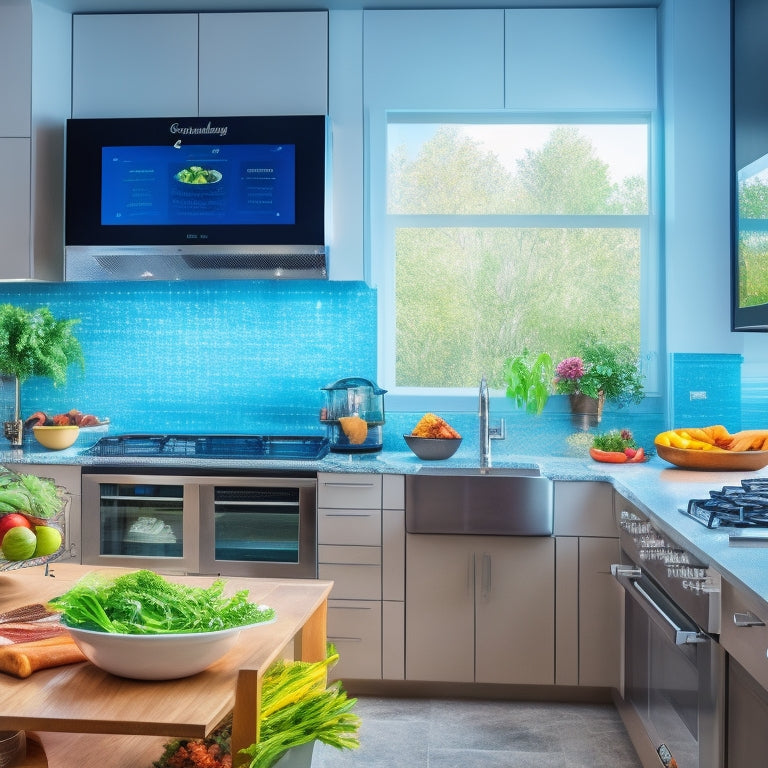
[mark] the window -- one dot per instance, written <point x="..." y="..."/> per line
<point x="504" y="234"/>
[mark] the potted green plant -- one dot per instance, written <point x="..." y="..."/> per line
<point x="601" y="373"/>
<point x="34" y="343"/>
<point x="529" y="380"/>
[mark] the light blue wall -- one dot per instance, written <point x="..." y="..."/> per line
<point x="228" y="356"/>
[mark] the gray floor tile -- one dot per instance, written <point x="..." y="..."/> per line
<point x="449" y="733"/>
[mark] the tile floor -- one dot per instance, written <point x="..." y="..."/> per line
<point x="448" y="733"/>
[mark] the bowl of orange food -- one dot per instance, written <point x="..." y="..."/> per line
<point x="433" y="438"/>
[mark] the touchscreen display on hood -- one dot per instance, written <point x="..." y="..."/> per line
<point x="196" y="198"/>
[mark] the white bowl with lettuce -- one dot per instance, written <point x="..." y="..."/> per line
<point x="141" y="626"/>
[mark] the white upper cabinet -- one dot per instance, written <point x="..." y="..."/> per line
<point x="134" y="65"/>
<point x="15" y="257"/>
<point x="16" y="66"/>
<point x="444" y="59"/>
<point x="264" y="63"/>
<point x="580" y="58"/>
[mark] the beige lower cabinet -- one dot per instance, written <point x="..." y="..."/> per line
<point x="67" y="476"/>
<point x="360" y="548"/>
<point x="589" y="602"/>
<point x="480" y="609"/>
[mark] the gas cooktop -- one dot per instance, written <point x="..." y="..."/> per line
<point x="285" y="447"/>
<point x="739" y="506"/>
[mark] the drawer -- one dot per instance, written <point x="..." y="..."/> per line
<point x="358" y="491"/>
<point x="349" y="526"/>
<point x="352" y="582"/>
<point x="744" y="631"/>
<point x="354" y="627"/>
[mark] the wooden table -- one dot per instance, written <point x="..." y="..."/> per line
<point x="70" y="709"/>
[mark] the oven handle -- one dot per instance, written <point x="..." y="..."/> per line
<point x="629" y="578"/>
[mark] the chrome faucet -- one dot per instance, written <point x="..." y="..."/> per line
<point x="485" y="429"/>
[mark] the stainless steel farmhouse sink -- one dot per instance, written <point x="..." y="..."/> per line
<point x="492" y="504"/>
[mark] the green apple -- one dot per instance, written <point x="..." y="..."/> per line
<point x="19" y="543"/>
<point x="48" y="540"/>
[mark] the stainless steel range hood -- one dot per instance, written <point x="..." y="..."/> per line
<point x="195" y="262"/>
<point x="197" y="198"/>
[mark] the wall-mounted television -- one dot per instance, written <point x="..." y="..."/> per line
<point x="196" y="197"/>
<point x="749" y="194"/>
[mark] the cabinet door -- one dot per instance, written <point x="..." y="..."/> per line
<point x="15" y="209"/>
<point x="600" y="613"/>
<point x="434" y="59"/>
<point x="439" y="609"/>
<point x="68" y="477"/>
<point x="264" y="63"/>
<point x="515" y="610"/>
<point x="16" y="66"/>
<point x="134" y="65"/>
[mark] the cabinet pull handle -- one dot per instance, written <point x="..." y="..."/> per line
<point x="348" y="485"/>
<point x="747" y="619"/>
<point x="346" y="514"/>
<point x="485" y="578"/>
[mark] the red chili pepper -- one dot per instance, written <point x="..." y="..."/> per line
<point x="611" y="457"/>
<point x="638" y="457"/>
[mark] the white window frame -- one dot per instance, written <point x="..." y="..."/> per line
<point x="383" y="225"/>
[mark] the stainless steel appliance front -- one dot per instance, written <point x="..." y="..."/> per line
<point x="213" y="524"/>
<point x="672" y="693"/>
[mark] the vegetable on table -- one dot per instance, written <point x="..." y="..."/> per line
<point x="22" y="659"/>
<point x="297" y="707"/>
<point x="144" y="602"/>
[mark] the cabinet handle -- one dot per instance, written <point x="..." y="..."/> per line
<point x="485" y="578"/>
<point x="747" y="619"/>
<point x="348" y="485"/>
<point x="346" y="514"/>
<point x="471" y="574"/>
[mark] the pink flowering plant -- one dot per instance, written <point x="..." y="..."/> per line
<point x="601" y="368"/>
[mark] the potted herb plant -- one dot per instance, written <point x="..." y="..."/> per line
<point x="34" y="343"/>
<point x="529" y="380"/>
<point x="601" y="373"/>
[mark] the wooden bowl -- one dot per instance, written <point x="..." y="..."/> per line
<point x="729" y="461"/>
<point x="57" y="438"/>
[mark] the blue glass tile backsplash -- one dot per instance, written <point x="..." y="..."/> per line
<point x="224" y="356"/>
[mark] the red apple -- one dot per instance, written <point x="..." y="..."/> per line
<point x="12" y="520"/>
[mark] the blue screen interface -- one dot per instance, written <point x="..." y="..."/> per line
<point x="199" y="185"/>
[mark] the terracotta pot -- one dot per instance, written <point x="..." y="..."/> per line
<point x="586" y="411"/>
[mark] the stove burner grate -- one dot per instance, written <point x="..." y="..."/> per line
<point x="276" y="447"/>
<point x="742" y="506"/>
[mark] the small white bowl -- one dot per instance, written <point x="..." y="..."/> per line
<point x="156" y="657"/>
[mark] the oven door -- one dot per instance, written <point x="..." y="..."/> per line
<point x="265" y="527"/>
<point x="673" y="677"/>
<point x="140" y="521"/>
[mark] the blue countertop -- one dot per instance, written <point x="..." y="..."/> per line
<point x="657" y="487"/>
